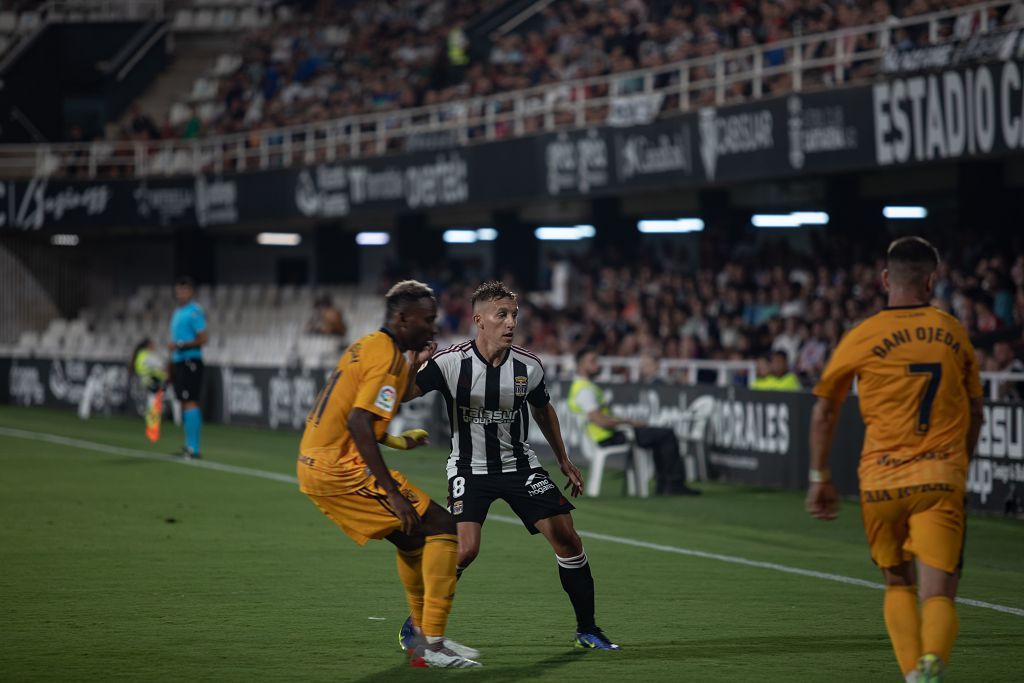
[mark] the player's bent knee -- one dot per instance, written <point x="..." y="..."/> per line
<point x="935" y="582"/>
<point x="405" y="543"/>
<point x="900" y="575"/>
<point x="568" y="545"/>
<point x="436" y="520"/>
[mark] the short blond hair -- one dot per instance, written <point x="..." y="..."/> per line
<point x="404" y="293"/>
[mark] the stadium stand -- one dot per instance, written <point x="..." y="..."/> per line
<point x="321" y="87"/>
<point x="707" y="325"/>
<point x="317" y="67"/>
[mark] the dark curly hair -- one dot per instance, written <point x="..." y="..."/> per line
<point x="405" y="293"/>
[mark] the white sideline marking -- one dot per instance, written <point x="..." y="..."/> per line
<point x="288" y="479"/>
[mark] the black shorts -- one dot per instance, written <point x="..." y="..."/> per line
<point x="530" y="493"/>
<point x="187" y="377"/>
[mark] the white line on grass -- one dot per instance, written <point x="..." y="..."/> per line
<point x="288" y="479"/>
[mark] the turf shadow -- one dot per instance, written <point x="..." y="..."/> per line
<point x="499" y="674"/>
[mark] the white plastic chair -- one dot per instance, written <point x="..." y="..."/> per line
<point x="639" y="462"/>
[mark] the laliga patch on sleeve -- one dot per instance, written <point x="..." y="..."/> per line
<point x="386" y="398"/>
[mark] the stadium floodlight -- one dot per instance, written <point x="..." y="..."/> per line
<point x="905" y="212"/>
<point x="678" y="225"/>
<point x="794" y="219"/>
<point x="64" y="240"/>
<point x="372" y="239"/>
<point x="460" y="236"/>
<point x="572" y="232"/>
<point x="487" y="234"/>
<point x="279" y="239"/>
<point x="811" y="217"/>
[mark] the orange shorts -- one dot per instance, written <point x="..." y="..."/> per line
<point x="365" y="513"/>
<point x="921" y="520"/>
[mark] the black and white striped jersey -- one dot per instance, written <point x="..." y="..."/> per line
<point x="486" y="407"/>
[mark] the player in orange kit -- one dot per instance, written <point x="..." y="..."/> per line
<point x="921" y="401"/>
<point x="341" y="469"/>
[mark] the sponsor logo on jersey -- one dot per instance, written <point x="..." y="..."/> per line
<point x="538" y="483"/>
<point x="457" y="507"/>
<point x="386" y="398"/>
<point x="485" y="416"/>
<point x="520" y="385"/>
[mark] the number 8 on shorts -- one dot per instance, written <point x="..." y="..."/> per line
<point x="456" y="490"/>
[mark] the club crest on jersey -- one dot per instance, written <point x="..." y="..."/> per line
<point x="386" y="398"/>
<point x="520" y="385"/>
<point x="457" y="507"/>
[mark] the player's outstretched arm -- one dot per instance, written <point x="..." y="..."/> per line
<point x="822" y="500"/>
<point x="547" y="419"/>
<point x="360" y="426"/>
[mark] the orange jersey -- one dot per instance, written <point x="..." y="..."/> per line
<point x="372" y="374"/>
<point x="916" y="371"/>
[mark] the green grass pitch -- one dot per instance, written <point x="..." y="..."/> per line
<point x="123" y="567"/>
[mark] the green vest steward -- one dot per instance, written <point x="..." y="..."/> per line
<point x="596" y="431"/>
<point x="457" y="48"/>
<point x="149" y="368"/>
<point x="788" y="382"/>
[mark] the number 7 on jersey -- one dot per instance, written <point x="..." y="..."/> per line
<point x="934" y="373"/>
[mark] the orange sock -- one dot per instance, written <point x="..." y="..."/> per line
<point x="410" y="571"/>
<point x="904" y="625"/>
<point x="939" y="626"/>
<point x="440" y="554"/>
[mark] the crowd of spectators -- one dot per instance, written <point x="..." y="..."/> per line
<point x="743" y="310"/>
<point x="350" y="58"/>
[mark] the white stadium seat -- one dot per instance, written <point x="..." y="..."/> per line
<point x="184" y="19"/>
<point x="227" y="20"/>
<point x="28" y="22"/>
<point x="204" y="20"/>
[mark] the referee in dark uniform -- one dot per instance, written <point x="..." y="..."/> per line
<point x="188" y="334"/>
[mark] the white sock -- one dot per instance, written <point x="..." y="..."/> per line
<point x="434" y="640"/>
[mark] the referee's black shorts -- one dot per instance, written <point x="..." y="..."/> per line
<point x="530" y="493"/>
<point x="187" y="377"/>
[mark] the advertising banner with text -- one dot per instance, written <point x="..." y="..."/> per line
<point x="968" y="110"/>
<point x="738" y="435"/>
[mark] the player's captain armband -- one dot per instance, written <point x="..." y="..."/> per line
<point x="386" y="398"/>
<point x="401" y="443"/>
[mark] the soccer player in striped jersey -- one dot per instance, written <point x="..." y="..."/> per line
<point x="487" y="384"/>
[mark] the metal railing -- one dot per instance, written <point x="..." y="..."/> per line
<point x="851" y="55"/>
<point x="996" y="384"/>
<point x="614" y="369"/>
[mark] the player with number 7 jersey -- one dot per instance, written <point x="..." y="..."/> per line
<point x="916" y="370"/>
<point x="921" y="401"/>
